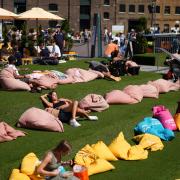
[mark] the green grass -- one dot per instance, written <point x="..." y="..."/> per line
<point x="162" y="165"/>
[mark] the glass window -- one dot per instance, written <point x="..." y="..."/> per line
<point x="19" y="6"/>
<point x="152" y="9"/>
<point x="131" y="8"/>
<point x="166" y="28"/>
<point x="122" y="8"/>
<point x="106" y="2"/>
<point x="106" y="15"/>
<point x="177" y="10"/>
<point x="167" y="10"/>
<point x="53" y="7"/>
<point x="141" y="8"/>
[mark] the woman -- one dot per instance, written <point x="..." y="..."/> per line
<point x="67" y="109"/>
<point x="51" y="166"/>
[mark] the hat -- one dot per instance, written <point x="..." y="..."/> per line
<point x="58" y="26"/>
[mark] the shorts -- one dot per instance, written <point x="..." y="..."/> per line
<point x="64" y="117"/>
<point x="26" y="80"/>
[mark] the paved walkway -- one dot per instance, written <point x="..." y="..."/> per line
<point x="154" y="69"/>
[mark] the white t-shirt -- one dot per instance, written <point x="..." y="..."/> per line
<point x="13" y="67"/>
<point x="55" y="50"/>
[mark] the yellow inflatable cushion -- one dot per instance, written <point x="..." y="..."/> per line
<point x="103" y="152"/>
<point x="29" y="163"/>
<point x="149" y="141"/>
<point x="177" y="120"/>
<point x="137" y="153"/>
<point x="100" y="165"/>
<point x="85" y="156"/>
<point x="119" y="147"/>
<point x="36" y="177"/>
<point x="16" y="175"/>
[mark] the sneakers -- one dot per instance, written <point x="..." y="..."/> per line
<point x="74" y="123"/>
<point x="93" y="118"/>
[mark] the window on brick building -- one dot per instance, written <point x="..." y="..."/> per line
<point x="167" y="10"/>
<point x="122" y="8"/>
<point x="53" y="7"/>
<point x="106" y="15"/>
<point x="52" y="24"/>
<point x="177" y="10"/>
<point x="141" y="8"/>
<point x="131" y="8"/>
<point x="106" y="2"/>
<point x="155" y="9"/>
<point x="166" y="28"/>
<point x="19" y="6"/>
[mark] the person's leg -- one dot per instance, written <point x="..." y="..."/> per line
<point x="110" y="76"/>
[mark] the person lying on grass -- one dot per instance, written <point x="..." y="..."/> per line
<point x="33" y="84"/>
<point x="51" y="167"/>
<point x="65" y="109"/>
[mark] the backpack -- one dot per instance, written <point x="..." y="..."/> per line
<point x="117" y="68"/>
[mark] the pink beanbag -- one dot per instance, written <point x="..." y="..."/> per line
<point x="119" y="97"/>
<point x="39" y="119"/>
<point x="149" y="91"/>
<point x="14" y="84"/>
<point x="165" y="117"/>
<point x="134" y="91"/>
<point x="7" y="73"/>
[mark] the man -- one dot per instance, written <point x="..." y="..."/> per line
<point x="110" y="48"/>
<point x="59" y="38"/>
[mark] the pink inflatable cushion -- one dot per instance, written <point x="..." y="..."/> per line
<point x="7" y="73"/>
<point x="14" y="84"/>
<point x="164" y="116"/>
<point x="149" y="91"/>
<point x="134" y="91"/>
<point x="119" y="97"/>
<point x="35" y="118"/>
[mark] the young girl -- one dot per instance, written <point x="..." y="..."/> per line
<point x="51" y="166"/>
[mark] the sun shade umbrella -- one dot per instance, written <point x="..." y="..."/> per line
<point x="5" y="14"/>
<point x="37" y="13"/>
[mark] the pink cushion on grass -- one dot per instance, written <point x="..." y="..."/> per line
<point x="149" y="91"/>
<point x="134" y="91"/>
<point x="165" y="117"/>
<point x="14" y="84"/>
<point x="35" y="118"/>
<point x="7" y="73"/>
<point x="119" y="97"/>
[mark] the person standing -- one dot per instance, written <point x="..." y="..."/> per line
<point x="59" y="38"/>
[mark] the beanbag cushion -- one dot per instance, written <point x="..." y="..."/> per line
<point x="134" y="91"/>
<point x="14" y="84"/>
<point x="120" y="147"/>
<point x="93" y="102"/>
<point x="149" y="91"/>
<point x="35" y="118"/>
<point x="149" y="141"/>
<point x="164" y="85"/>
<point x="103" y="152"/>
<point x="29" y="164"/>
<point x="85" y="156"/>
<point x="137" y="153"/>
<point x="119" y="97"/>
<point x="177" y="120"/>
<point x="153" y="126"/>
<point x="100" y="165"/>
<point x="7" y="73"/>
<point x="165" y="117"/>
<point x="16" y="175"/>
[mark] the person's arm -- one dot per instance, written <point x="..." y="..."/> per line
<point x="41" y="168"/>
<point x="45" y="101"/>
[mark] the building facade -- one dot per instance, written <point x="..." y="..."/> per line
<point x="160" y="13"/>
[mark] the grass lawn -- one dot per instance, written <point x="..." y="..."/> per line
<point x="164" y="165"/>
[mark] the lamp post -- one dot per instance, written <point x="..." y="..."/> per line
<point x="153" y="19"/>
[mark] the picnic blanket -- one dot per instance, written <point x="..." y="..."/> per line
<point x="7" y="133"/>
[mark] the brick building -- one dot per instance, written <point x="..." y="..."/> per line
<point x="162" y="13"/>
